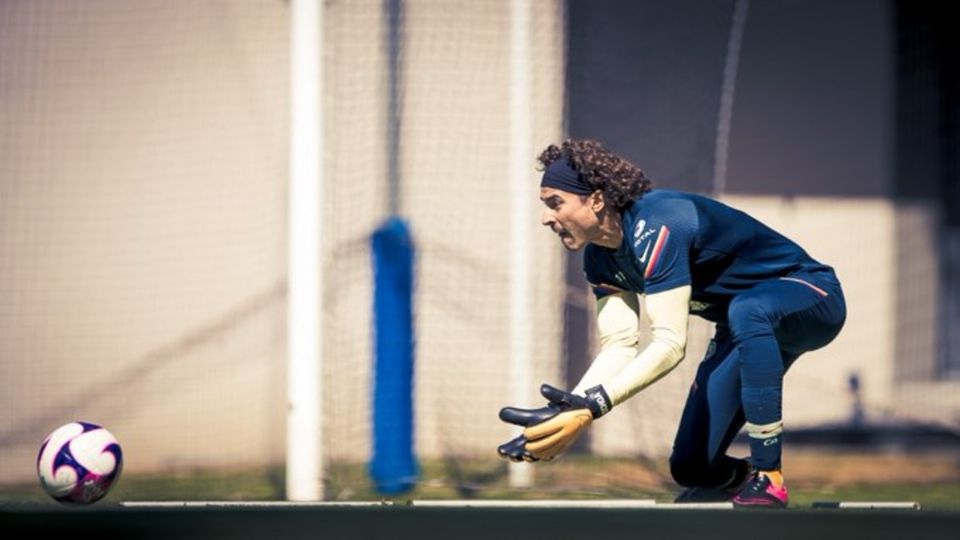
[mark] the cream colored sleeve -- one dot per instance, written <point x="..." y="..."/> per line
<point x="618" y="318"/>
<point x="669" y="312"/>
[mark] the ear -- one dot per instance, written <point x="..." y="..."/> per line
<point x="597" y="201"/>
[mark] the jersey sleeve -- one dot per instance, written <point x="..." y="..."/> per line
<point x="668" y="313"/>
<point x="662" y="248"/>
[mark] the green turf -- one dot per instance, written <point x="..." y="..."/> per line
<point x="260" y="484"/>
<point x="463" y="480"/>
<point x="930" y="496"/>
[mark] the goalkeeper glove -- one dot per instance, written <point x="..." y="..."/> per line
<point x="515" y="450"/>
<point x="552" y="429"/>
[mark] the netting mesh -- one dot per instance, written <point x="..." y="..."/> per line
<point x="454" y="173"/>
<point x="144" y="221"/>
<point x="143" y="202"/>
<point x="143" y="184"/>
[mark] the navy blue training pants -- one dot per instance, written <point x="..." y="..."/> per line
<point x="740" y="379"/>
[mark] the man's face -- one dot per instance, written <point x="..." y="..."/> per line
<point x="572" y="217"/>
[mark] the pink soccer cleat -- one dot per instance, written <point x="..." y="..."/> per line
<point x="761" y="492"/>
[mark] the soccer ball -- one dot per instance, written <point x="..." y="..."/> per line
<point x="79" y="462"/>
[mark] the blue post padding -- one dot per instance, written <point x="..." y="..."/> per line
<point x="393" y="466"/>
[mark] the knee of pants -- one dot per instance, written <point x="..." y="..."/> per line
<point x="687" y="470"/>
<point x="749" y="317"/>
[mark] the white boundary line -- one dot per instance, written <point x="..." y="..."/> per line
<point x="636" y="504"/>
<point x="503" y="504"/>
<point x="620" y="503"/>
<point x="248" y="504"/>
<point x="868" y="505"/>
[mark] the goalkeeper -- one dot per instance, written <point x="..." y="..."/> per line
<point x="681" y="254"/>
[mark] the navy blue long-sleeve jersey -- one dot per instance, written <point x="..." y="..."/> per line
<point x="671" y="239"/>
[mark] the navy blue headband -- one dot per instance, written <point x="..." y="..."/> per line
<point x="561" y="175"/>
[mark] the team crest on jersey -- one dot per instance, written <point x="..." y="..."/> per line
<point x="640" y="234"/>
<point x="638" y="230"/>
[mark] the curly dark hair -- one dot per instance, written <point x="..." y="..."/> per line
<point x="622" y="182"/>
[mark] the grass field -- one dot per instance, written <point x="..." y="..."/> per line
<point x="932" y="479"/>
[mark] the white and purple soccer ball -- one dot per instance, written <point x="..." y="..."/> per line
<point x="79" y="462"/>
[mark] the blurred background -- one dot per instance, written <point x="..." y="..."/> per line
<point x="144" y="181"/>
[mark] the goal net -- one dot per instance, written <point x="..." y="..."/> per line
<point x="143" y="243"/>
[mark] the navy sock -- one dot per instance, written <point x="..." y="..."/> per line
<point x="761" y="377"/>
<point x="765" y="449"/>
